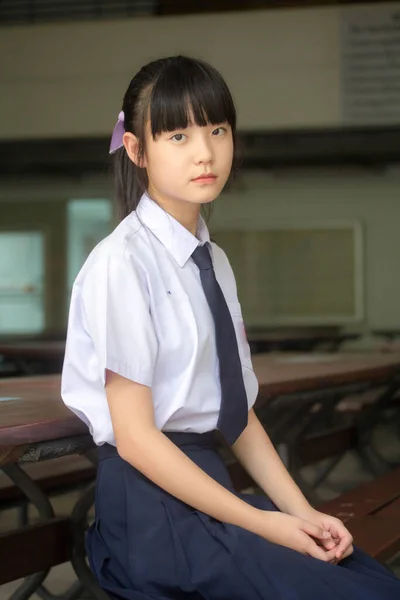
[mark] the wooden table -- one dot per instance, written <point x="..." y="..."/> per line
<point x="35" y="414"/>
<point x="294" y="373"/>
<point x="300" y="339"/>
<point x="35" y="425"/>
<point x="39" y="426"/>
<point x="389" y="334"/>
<point x="32" y="357"/>
<point x="33" y="418"/>
<point x="300" y="396"/>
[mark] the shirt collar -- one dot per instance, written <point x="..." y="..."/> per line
<point x="174" y="236"/>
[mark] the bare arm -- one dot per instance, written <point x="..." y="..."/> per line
<point x="256" y="453"/>
<point x="141" y="444"/>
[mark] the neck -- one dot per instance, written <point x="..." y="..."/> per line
<point x="186" y="213"/>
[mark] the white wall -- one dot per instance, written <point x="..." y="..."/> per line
<point x="261" y="199"/>
<point x="69" y="79"/>
<point x="284" y="70"/>
<point x="374" y="200"/>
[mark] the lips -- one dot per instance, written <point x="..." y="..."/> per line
<point x="205" y="176"/>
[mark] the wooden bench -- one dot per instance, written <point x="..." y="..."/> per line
<point x="45" y="545"/>
<point x="37" y="547"/>
<point x="371" y="511"/>
<point x="54" y="536"/>
<point x="372" y="514"/>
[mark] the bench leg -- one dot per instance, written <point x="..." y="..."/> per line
<point x="366" y="423"/>
<point x="326" y="471"/>
<point x="79" y="520"/>
<point x="35" y="495"/>
<point x="316" y="413"/>
<point x="34" y="583"/>
<point x="78" y="560"/>
<point x="371" y="460"/>
<point x="23" y="510"/>
<point x="29" y="586"/>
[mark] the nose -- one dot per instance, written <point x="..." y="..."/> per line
<point x="204" y="154"/>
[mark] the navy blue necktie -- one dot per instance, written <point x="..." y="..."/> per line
<point x="233" y="413"/>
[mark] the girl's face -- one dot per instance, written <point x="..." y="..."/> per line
<point x="189" y="165"/>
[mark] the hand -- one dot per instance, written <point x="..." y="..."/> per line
<point x="340" y="537"/>
<point x="297" y="534"/>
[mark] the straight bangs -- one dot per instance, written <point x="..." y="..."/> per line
<point x="190" y="92"/>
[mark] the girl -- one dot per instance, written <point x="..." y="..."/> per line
<point x="157" y="361"/>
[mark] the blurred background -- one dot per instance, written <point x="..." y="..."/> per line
<point x="311" y="223"/>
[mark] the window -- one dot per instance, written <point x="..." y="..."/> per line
<point x="89" y="221"/>
<point x="21" y="282"/>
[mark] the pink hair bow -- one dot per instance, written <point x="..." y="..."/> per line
<point x="117" y="134"/>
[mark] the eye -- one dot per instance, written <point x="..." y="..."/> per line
<point x="178" y="137"/>
<point x="219" y="131"/>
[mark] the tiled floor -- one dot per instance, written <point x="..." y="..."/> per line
<point x="348" y="474"/>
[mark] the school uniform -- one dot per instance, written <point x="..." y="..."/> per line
<point x="139" y="308"/>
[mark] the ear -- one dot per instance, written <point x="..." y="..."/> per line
<point x="131" y="144"/>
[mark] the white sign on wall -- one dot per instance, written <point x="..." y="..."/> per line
<point x="370" y="65"/>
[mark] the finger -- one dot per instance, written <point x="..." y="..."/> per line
<point x="328" y="544"/>
<point x="330" y="551"/>
<point x="317" y="552"/>
<point x="337" y="529"/>
<point x="344" y="545"/>
<point x="315" y="531"/>
<point x="347" y="552"/>
<point x="334" y="531"/>
<point x="341" y="536"/>
<point x="331" y="556"/>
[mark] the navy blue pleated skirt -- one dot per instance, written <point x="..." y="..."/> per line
<point x="147" y="545"/>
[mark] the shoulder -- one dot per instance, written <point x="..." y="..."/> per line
<point x="116" y="266"/>
<point x="121" y="250"/>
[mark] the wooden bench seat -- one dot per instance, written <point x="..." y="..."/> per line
<point x="372" y="514"/>
<point x="377" y="536"/>
<point x="367" y="499"/>
<point x="34" y="548"/>
<point x="19" y="556"/>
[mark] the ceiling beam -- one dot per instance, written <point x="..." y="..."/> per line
<point x="174" y="7"/>
<point x="259" y="149"/>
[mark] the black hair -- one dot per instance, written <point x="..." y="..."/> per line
<point x="169" y="92"/>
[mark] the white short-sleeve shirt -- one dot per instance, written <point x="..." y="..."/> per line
<point x="138" y="308"/>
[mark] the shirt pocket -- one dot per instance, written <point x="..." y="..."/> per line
<point x="243" y="344"/>
<point x="174" y="324"/>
